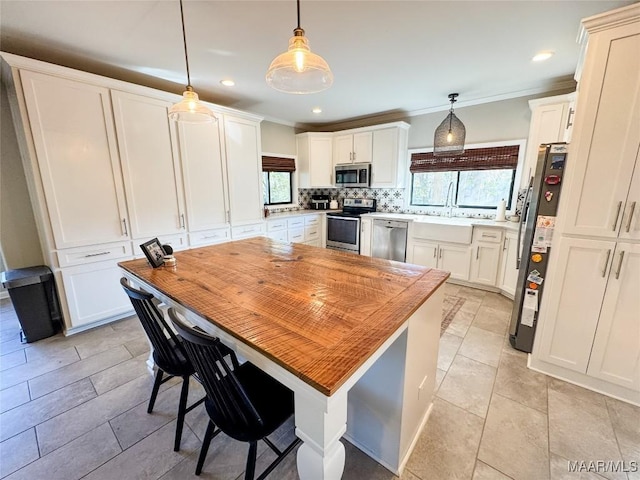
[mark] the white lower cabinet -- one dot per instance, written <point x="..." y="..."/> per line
<point x="93" y="293"/>
<point x="246" y="231"/>
<point x="366" y="229"/>
<point x="451" y="257"/>
<point x="305" y="229"/>
<point x="508" y="278"/>
<point x="486" y="256"/>
<point x="209" y="237"/>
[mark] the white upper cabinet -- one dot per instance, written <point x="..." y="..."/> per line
<point x="77" y="156"/>
<point x="150" y="166"/>
<point x="204" y="175"/>
<point x="353" y="147"/>
<point x="389" y="158"/>
<point x="315" y="165"/>
<point x="606" y="137"/>
<point x="244" y="169"/>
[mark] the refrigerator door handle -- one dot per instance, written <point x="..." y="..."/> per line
<point x="523" y="216"/>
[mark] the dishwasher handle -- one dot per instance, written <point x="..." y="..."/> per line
<point x="390" y="223"/>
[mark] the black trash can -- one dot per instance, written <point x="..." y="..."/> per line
<point x="33" y="294"/>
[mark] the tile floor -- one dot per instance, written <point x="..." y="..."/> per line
<point x="75" y="407"/>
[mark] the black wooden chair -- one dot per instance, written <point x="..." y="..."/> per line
<point x="243" y="401"/>
<point x="168" y="353"/>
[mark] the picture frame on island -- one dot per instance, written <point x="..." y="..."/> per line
<point x="154" y="252"/>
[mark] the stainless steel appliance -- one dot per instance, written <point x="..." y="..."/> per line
<point x="343" y="228"/>
<point x="389" y="240"/>
<point x="537" y="222"/>
<point x="353" y="175"/>
<point x="319" y="202"/>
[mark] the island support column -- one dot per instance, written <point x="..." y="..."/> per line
<point x="320" y="423"/>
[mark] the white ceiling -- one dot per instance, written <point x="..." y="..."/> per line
<point x="388" y="56"/>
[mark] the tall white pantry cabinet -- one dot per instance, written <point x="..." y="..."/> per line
<point x="107" y="171"/>
<point x="590" y="321"/>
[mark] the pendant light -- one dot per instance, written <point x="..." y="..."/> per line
<point x="449" y="136"/>
<point x="189" y="109"/>
<point x="298" y="70"/>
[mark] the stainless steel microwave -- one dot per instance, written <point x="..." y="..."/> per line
<point x="353" y="175"/>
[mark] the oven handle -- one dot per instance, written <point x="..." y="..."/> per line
<point x="353" y="219"/>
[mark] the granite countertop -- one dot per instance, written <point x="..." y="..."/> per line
<point x="476" y="222"/>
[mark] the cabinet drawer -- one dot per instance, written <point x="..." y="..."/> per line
<point x="311" y="233"/>
<point x="177" y="242"/>
<point x="280" y="235"/>
<point x="492" y="235"/>
<point x="296" y="222"/>
<point x="246" y="231"/>
<point x="311" y="220"/>
<point x="209" y="237"/>
<point x="96" y="253"/>
<point x="296" y="235"/>
<point x="275" y="225"/>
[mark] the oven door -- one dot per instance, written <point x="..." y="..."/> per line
<point x="343" y="233"/>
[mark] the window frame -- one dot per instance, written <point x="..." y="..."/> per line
<point x="268" y="193"/>
<point x="294" y="181"/>
<point x="469" y="210"/>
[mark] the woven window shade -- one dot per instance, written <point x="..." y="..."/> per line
<point x="278" y="164"/>
<point x="472" y="159"/>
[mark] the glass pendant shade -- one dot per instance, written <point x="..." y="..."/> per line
<point x="450" y="135"/>
<point x="299" y="70"/>
<point x="190" y="109"/>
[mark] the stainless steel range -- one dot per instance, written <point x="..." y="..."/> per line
<point x="343" y="228"/>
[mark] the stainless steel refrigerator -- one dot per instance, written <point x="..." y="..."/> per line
<point x="537" y="223"/>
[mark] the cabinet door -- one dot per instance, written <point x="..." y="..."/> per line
<point x="77" y="155"/>
<point x="365" y="236"/>
<point x="616" y="348"/>
<point x="630" y="226"/>
<point x="150" y="167"/>
<point x="93" y="292"/>
<point x="422" y="253"/>
<point x="568" y="321"/>
<point x="343" y="149"/>
<point x="384" y="168"/>
<point x="606" y="134"/>
<point x="320" y="162"/>
<point x="244" y="170"/>
<point x="455" y="259"/>
<point x="484" y="266"/>
<point x="203" y="172"/>
<point x="546" y="127"/>
<point x="362" y="147"/>
<point x="509" y="272"/>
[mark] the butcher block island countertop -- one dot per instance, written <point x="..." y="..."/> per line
<point x="317" y="313"/>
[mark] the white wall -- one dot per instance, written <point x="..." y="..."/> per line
<point x="278" y="138"/>
<point x="18" y="234"/>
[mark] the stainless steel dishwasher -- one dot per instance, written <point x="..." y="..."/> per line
<point x="389" y="240"/>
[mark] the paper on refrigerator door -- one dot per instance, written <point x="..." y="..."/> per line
<point x="529" y="307"/>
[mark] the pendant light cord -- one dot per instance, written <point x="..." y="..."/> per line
<point x="298" y="2"/>
<point x="184" y="40"/>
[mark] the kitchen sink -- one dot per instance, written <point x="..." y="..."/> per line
<point x="443" y="229"/>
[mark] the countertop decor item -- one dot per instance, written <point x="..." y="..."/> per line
<point x="450" y="134"/>
<point x="500" y="211"/>
<point x="298" y="70"/>
<point x="189" y="109"/>
<point x="333" y="205"/>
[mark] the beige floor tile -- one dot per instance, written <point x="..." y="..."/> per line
<point x="468" y="385"/>
<point x="14" y="396"/>
<point x="36" y="367"/>
<point x="515" y="440"/>
<point x="12" y="359"/>
<point x="120" y="374"/>
<point x="451" y="288"/>
<point x="560" y="470"/>
<point x="36" y="411"/>
<point x="18" y="451"/>
<point x="449" y="345"/>
<point x="521" y="384"/>
<point x="626" y="425"/>
<point x="68" y="374"/>
<point x="440" y="374"/>
<point x="73" y="423"/>
<point x="580" y="428"/>
<point x="482" y="345"/>
<point x="471" y="305"/>
<point x="460" y="324"/>
<point x="446" y="449"/>
<point x="471" y="293"/>
<point x="74" y="460"/>
<point x="154" y="456"/>
<point x="137" y="347"/>
<point x="492" y="320"/>
<point x="485" y="472"/>
<point x="498" y="302"/>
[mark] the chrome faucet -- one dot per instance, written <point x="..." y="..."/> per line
<point x="449" y="202"/>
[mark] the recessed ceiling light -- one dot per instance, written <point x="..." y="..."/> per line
<point x="316" y="110"/>
<point x="227" y="83"/>
<point x="539" y="57"/>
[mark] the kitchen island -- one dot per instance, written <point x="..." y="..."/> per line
<point x="356" y="338"/>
